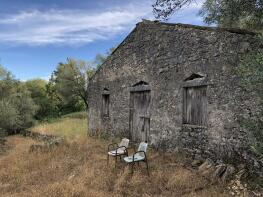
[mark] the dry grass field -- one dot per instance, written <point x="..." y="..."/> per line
<point x="78" y="168"/>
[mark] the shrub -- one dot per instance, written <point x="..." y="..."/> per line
<point x="17" y="108"/>
<point x="9" y="116"/>
<point x="16" y="113"/>
<point x="26" y="109"/>
<point x="255" y="126"/>
<point x="251" y="73"/>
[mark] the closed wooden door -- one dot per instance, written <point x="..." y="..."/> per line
<point x="140" y="115"/>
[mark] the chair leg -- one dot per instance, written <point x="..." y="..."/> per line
<point x="122" y="158"/>
<point x="146" y="162"/>
<point x="132" y="167"/>
<point x="116" y="157"/>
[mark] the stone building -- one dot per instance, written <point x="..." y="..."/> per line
<point x="174" y="85"/>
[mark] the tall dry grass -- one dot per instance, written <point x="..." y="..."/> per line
<point x="79" y="168"/>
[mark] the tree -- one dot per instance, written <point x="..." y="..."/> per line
<point x="163" y="9"/>
<point x="7" y="84"/>
<point x="9" y="116"/>
<point x="3" y="73"/>
<point x="67" y="88"/>
<point x="247" y="14"/>
<point x="55" y="101"/>
<point x="251" y="72"/>
<point x="100" y="58"/>
<point x="225" y="13"/>
<point x="38" y="90"/>
<point x="17" y="108"/>
<point x="25" y="106"/>
<point x="71" y="81"/>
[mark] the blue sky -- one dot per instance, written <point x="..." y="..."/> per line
<point x="37" y="34"/>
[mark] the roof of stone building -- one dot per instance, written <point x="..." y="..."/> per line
<point x="180" y="25"/>
<point x="218" y="29"/>
<point x="205" y="28"/>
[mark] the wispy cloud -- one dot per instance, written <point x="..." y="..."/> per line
<point x="81" y="26"/>
<point x="70" y="27"/>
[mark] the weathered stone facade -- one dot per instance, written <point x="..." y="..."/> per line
<point x="166" y="59"/>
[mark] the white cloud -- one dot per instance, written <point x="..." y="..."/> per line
<point x="70" y="26"/>
<point x="77" y="27"/>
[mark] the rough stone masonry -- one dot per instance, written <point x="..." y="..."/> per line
<point x="175" y="86"/>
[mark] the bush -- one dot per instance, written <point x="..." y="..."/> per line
<point x="9" y="116"/>
<point x="255" y="126"/>
<point x="16" y="113"/>
<point x="2" y="133"/>
<point x="17" y="108"/>
<point x="251" y="73"/>
<point x="26" y="109"/>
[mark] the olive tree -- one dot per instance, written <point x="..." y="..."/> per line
<point x="246" y="14"/>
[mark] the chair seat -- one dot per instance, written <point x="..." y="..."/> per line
<point x="137" y="157"/>
<point x="113" y="152"/>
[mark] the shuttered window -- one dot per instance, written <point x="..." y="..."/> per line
<point x="105" y="105"/>
<point x="195" y="105"/>
<point x="105" y="102"/>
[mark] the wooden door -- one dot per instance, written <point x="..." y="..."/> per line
<point x="140" y="115"/>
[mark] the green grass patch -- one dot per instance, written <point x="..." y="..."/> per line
<point x="76" y="115"/>
<point x="67" y="127"/>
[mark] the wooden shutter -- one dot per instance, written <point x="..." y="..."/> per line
<point x="195" y="105"/>
<point x="105" y="104"/>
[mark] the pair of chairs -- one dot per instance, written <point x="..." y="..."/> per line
<point x="121" y="150"/>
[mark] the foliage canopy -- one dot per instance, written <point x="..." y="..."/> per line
<point x="251" y="73"/>
<point x="71" y="81"/>
<point x="247" y="14"/>
<point x="17" y="108"/>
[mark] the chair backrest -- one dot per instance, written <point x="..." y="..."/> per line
<point x="124" y="142"/>
<point x="143" y="147"/>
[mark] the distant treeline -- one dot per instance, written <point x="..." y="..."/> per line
<point x="24" y="103"/>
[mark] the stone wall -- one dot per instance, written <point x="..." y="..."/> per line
<point x="46" y="138"/>
<point x="164" y="55"/>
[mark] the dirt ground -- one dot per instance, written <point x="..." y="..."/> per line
<point x="79" y="168"/>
